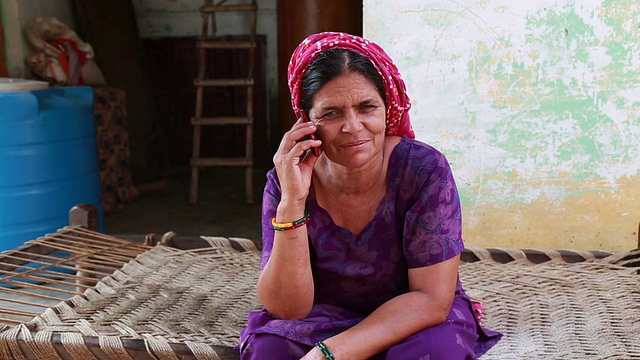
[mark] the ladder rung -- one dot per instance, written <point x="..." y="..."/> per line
<point x="221" y="44"/>
<point x="222" y="121"/>
<point x="221" y="162"/>
<point x="212" y="9"/>
<point x="224" y="82"/>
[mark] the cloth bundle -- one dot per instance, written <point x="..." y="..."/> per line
<point x="61" y="56"/>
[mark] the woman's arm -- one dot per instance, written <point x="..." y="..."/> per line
<point x="432" y="289"/>
<point x="285" y="286"/>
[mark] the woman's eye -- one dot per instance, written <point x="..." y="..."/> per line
<point x="329" y="115"/>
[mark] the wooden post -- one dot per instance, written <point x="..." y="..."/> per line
<point x="4" y="72"/>
<point x="299" y="19"/>
<point x="84" y="215"/>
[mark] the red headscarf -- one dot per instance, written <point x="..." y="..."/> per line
<point x="398" y="103"/>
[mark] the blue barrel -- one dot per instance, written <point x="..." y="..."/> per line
<point x="48" y="161"/>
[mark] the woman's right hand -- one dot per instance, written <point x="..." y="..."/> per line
<point x="294" y="163"/>
<point x="285" y="286"/>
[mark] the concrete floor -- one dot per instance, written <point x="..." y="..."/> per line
<point x="221" y="209"/>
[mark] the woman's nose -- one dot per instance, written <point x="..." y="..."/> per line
<point x="351" y="122"/>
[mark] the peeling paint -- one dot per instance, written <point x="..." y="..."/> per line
<point x="536" y="105"/>
<point x="590" y="220"/>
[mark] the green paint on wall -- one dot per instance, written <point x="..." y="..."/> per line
<point x="553" y="97"/>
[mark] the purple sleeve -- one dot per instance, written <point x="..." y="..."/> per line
<point x="270" y="201"/>
<point x="433" y="223"/>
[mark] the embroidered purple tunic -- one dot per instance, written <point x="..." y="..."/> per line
<point x="417" y="223"/>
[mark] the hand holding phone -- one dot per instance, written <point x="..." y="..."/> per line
<point x="314" y="150"/>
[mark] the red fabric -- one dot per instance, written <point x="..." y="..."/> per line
<point x="398" y="103"/>
<point x="71" y="59"/>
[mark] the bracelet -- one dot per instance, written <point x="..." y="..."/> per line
<point x="325" y="350"/>
<point x="290" y="225"/>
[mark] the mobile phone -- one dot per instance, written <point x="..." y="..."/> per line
<point x="314" y="150"/>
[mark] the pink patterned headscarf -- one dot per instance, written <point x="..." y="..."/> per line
<point x="398" y="103"/>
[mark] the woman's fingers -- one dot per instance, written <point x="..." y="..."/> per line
<point x="297" y="151"/>
<point x="293" y="165"/>
<point x="296" y="139"/>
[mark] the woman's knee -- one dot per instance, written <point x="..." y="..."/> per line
<point x="448" y="341"/>
<point x="268" y="346"/>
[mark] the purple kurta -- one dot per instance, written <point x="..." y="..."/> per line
<point x="417" y="223"/>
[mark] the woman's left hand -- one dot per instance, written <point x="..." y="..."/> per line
<point x="313" y="354"/>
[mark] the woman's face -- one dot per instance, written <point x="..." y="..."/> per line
<point x="351" y="119"/>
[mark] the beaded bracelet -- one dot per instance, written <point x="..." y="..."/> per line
<point x="290" y="225"/>
<point x="325" y="350"/>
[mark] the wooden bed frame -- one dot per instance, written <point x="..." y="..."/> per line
<point x="90" y="257"/>
<point x="85" y="217"/>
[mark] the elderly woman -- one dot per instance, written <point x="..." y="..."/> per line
<point x="361" y="241"/>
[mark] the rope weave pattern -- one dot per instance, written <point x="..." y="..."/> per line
<point x="177" y="304"/>
<point x="55" y="267"/>
<point x="199" y="298"/>
<point x="559" y="310"/>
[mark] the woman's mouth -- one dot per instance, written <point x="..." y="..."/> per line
<point x="356" y="144"/>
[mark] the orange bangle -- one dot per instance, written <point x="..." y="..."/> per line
<point x="290" y="225"/>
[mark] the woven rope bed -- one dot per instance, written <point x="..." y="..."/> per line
<point x="556" y="309"/>
<point x="168" y="303"/>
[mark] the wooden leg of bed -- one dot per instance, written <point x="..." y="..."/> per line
<point x="84" y="215"/>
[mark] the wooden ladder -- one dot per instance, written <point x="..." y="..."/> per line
<point x="205" y="44"/>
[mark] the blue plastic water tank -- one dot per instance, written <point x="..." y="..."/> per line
<point x="48" y="161"/>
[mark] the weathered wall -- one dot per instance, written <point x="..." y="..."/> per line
<point x="537" y="106"/>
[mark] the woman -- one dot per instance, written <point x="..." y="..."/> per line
<point x="361" y="244"/>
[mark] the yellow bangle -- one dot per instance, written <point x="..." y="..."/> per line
<point x="290" y="225"/>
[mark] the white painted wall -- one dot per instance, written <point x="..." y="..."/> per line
<point x="537" y="106"/>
